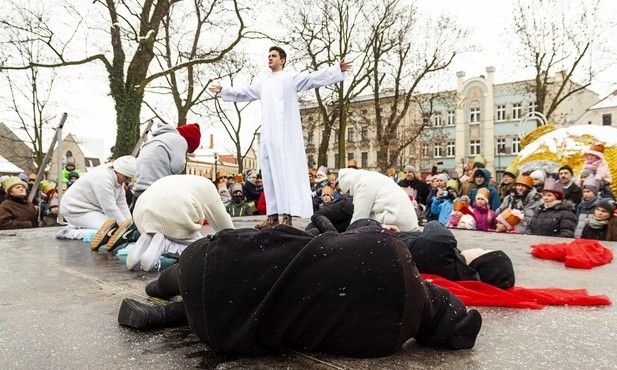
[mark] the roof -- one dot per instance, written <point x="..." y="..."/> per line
<point x="608" y="102"/>
<point x="8" y="167"/>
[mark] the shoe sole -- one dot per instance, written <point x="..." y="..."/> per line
<point x="132" y="315"/>
<point x="119" y="235"/>
<point x="101" y="233"/>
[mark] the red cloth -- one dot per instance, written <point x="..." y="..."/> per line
<point x="580" y="253"/>
<point x="477" y="293"/>
<point x="261" y="204"/>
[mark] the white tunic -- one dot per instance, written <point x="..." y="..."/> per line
<point x="282" y="155"/>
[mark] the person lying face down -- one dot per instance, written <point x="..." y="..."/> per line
<point x="434" y="251"/>
<point x="256" y="292"/>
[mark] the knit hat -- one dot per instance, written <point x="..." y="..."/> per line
<point x="607" y="204"/>
<point x="452" y="184"/>
<point x="554" y="186"/>
<point x="495" y="268"/>
<point x="585" y="172"/>
<point x="125" y="165"/>
<point x="479" y="173"/>
<point x="192" y="134"/>
<point x="352" y="163"/>
<point x="538" y="175"/>
<point x="511" y="171"/>
<point x="567" y="168"/>
<point x="327" y="190"/>
<point x="12" y="181"/>
<point x="236" y="187"/>
<point x="409" y="168"/>
<point x="524" y="180"/>
<point x="442" y="176"/>
<point x="73" y="174"/>
<point x="321" y="174"/>
<point x="470" y="222"/>
<point x="592" y="184"/>
<point x="47" y="187"/>
<point x="483" y="193"/>
<point x="2" y="178"/>
<point x="510" y="217"/>
<point x="223" y="190"/>
<point x="596" y="149"/>
<point x="23" y="176"/>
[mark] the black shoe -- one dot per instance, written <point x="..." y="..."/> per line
<point x="466" y="331"/>
<point x="140" y="316"/>
<point x="152" y="290"/>
<point x="103" y="234"/>
<point x="122" y="235"/>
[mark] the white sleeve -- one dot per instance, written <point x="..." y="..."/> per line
<point x="241" y="94"/>
<point x="323" y="77"/>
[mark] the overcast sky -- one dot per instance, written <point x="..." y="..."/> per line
<point x="84" y="91"/>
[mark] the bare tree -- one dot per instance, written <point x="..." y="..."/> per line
<point x="132" y="28"/>
<point x="557" y="40"/>
<point x="407" y="50"/>
<point x="28" y="92"/>
<point x="321" y="34"/>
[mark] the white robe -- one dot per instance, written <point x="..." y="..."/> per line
<point x="282" y="156"/>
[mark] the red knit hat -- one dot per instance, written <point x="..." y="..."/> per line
<point x="192" y="134"/>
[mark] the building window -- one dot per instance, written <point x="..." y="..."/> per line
<point x="501" y="112"/>
<point x="474" y="115"/>
<point x="437" y="119"/>
<point x="451" y="118"/>
<point x="309" y="139"/>
<point x="516" y="110"/>
<point x="349" y="156"/>
<point x="425" y="150"/>
<point x="437" y="151"/>
<point x="364" y="157"/>
<point x="351" y="135"/>
<point x="607" y="120"/>
<point x="364" y="133"/>
<point x="501" y="145"/>
<point x="426" y="119"/>
<point x="450" y="149"/>
<point x="516" y="145"/>
<point x="474" y="147"/>
<point x="533" y="106"/>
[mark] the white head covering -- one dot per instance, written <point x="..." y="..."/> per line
<point x="125" y="165"/>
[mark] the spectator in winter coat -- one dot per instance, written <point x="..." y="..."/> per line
<point x="289" y="310"/>
<point x="376" y="196"/>
<point x="443" y="203"/>
<point x="415" y="186"/>
<point x="439" y="186"/>
<point x="482" y="178"/>
<point x="594" y="161"/>
<point x="603" y="220"/>
<point x="508" y="220"/>
<point x="225" y="197"/>
<point x="238" y="206"/>
<point x="70" y="167"/>
<point x="484" y="216"/>
<point x="334" y="217"/>
<point x="467" y="222"/>
<point x="507" y="181"/>
<point x="586" y="208"/>
<point x="460" y="207"/>
<point x="553" y="217"/>
<point x="253" y="187"/>
<point x="538" y="177"/>
<point x="169" y="215"/>
<point x="164" y="154"/>
<point x="16" y="211"/>
<point x="571" y="191"/>
<point x="524" y="198"/>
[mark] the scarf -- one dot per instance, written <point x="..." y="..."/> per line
<point x="596" y="224"/>
<point x="588" y="204"/>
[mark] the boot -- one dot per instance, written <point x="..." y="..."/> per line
<point x="269" y="221"/>
<point x="286" y="220"/>
<point x="152" y="290"/>
<point x="143" y="316"/>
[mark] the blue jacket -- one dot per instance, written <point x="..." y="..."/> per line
<point x="494" y="200"/>
<point x="443" y="209"/>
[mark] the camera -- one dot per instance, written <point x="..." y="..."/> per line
<point x="440" y="163"/>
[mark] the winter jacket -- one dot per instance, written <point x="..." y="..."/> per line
<point x="376" y="196"/>
<point x="277" y="288"/>
<point x="17" y="213"/>
<point x="467" y="186"/>
<point x="442" y="207"/>
<point x="239" y="209"/>
<point x="485" y="218"/>
<point x="557" y="220"/>
<point x="419" y="188"/>
<point x="584" y="211"/>
<point x="494" y="201"/>
<point x="505" y="189"/>
<point x="334" y="217"/>
<point x="261" y="204"/>
<point x="527" y="203"/>
<point x="430" y="216"/>
<point x="163" y="155"/>
<point x="591" y="233"/>
<point x="573" y="193"/>
<point x="252" y="191"/>
<point x="65" y="174"/>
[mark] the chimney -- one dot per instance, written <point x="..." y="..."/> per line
<point x="211" y="141"/>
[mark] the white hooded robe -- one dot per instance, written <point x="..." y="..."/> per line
<point x="282" y="155"/>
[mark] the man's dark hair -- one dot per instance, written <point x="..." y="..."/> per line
<point x="281" y="52"/>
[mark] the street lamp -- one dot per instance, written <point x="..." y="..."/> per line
<point x="216" y="172"/>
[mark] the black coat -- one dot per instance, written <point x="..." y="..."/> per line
<point x="357" y="294"/>
<point x="251" y="191"/>
<point x="420" y="186"/>
<point x="573" y="193"/>
<point x="591" y="233"/>
<point x="335" y="216"/>
<point x="554" y="221"/>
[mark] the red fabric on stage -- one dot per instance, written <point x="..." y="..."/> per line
<point x="580" y="253"/>
<point x="477" y="293"/>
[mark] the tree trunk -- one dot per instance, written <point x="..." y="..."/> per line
<point x="322" y="152"/>
<point x="128" y="109"/>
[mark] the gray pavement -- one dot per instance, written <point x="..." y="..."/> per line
<point x="60" y="303"/>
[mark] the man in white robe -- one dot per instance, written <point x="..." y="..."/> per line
<point x="282" y="155"/>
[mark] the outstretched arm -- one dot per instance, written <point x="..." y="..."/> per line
<point x="237" y="94"/>
<point x="323" y="77"/>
